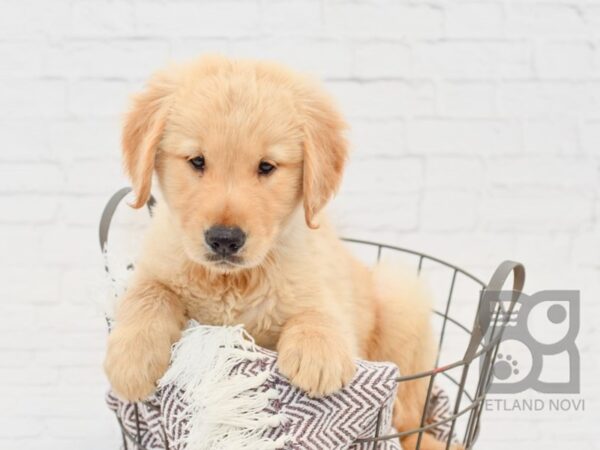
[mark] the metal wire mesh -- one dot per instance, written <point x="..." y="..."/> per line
<point x="484" y="337"/>
<point x="490" y="320"/>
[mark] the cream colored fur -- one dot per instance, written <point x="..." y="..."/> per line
<point x="295" y="288"/>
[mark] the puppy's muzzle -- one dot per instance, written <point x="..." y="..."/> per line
<point x="225" y="241"/>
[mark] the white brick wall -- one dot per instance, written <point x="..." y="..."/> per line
<point x="476" y="135"/>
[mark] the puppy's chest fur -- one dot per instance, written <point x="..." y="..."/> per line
<point x="250" y="300"/>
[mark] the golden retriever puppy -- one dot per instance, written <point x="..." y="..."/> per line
<point x="246" y="155"/>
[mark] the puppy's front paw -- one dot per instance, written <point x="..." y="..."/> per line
<point x="135" y="362"/>
<point x="319" y="365"/>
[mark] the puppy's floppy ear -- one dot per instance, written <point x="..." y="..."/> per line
<point x="142" y="132"/>
<point x="325" y="153"/>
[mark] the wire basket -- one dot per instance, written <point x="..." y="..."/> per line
<point x="483" y="340"/>
<point x="469" y="375"/>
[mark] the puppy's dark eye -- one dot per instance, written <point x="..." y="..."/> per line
<point x="265" y="168"/>
<point x="197" y="162"/>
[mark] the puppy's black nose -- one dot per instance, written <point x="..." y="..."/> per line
<point x="225" y="241"/>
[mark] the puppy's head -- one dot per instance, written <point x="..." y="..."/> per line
<point x="237" y="147"/>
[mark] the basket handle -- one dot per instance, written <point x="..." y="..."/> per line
<point x="109" y="212"/>
<point x="491" y="294"/>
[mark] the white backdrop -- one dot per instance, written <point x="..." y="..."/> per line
<point x="475" y="134"/>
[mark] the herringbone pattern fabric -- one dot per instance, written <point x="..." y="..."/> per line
<point x="329" y="423"/>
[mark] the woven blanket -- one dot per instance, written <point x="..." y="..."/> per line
<point x="186" y="413"/>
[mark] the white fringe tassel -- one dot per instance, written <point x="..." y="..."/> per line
<point x="224" y="412"/>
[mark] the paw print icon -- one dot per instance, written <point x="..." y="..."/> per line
<point x="505" y="366"/>
<point x="538" y="349"/>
